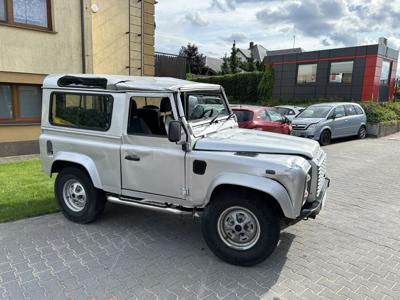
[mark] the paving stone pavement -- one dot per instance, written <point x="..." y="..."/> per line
<point x="352" y="250"/>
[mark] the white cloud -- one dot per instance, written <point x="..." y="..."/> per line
<point x="317" y="24"/>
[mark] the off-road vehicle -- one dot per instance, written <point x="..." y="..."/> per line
<point x="174" y="146"/>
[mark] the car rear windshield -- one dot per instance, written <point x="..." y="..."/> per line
<point x="315" y="112"/>
<point x="243" y="115"/>
<point x="283" y="110"/>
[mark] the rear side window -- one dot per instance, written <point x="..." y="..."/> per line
<point x="350" y="110"/>
<point x="82" y="111"/>
<point x="358" y="110"/>
<point x="244" y="115"/>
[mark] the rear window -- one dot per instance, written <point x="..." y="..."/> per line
<point x="83" y="111"/>
<point x="243" y="115"/>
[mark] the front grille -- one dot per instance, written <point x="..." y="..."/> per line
<point x="299" y="126"/>
<point x="321" y="173"/>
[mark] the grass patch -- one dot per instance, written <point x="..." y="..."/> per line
<point x="25" y="191"/>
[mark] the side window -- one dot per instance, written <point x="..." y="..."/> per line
<point x="149" y="116"/>
<point x="340" y="111"/>
<point x="350" y="110"/>
<point x="358" y="110"/>
<point x="83" y="111"/>
<point x="291" y="112"/>
<point x="275" y="116"/>
<point x="264" y="116"/>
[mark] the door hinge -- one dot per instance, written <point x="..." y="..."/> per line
<point x="184" y="192"/>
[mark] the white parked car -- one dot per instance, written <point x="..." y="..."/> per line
<point x="290" y="112"/>
<point x="174" y="146"/>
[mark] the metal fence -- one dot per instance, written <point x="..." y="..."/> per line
<point x="170" y="65"/>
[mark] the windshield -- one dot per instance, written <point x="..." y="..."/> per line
<point x="282" y="110"/>
<point x="315" y="112"/>
<point x="204" y="105"/>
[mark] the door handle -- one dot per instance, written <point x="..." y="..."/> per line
<point x="132" y="157"/>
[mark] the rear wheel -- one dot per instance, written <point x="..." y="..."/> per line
<point x="362" y="133"/>
<point x="325" y="138"/>
<point x="240" y="230"/>
<point x="76" y="196"/>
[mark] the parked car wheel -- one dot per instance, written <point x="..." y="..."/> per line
<point x="76" y="196"/>
<point x="240" y="230"/>
<point x="325" y="138"/>
<point x="362" y="132"/>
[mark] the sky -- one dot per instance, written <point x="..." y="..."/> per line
<point x="317" y="24"/>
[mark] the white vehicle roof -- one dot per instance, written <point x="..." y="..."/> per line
<point x="123" y="83"/>
<point x="289" y="106"/>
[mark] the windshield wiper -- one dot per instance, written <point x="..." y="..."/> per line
<point x="219" y="113"/>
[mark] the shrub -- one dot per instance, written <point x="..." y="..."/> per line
<point x="239" y="88"/>
<point x="266" y="84"/>
<point x="377" y="113"/>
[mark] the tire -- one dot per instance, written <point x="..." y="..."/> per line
<point x="76" y="196"/>
<point x="325" y="138"/>
<point x="256" y="249"/>
<point x="362" y="132"/>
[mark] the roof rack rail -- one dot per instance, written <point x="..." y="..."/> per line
<point x="91" y="82"/>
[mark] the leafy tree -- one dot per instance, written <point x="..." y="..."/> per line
<point x="225" y="68"/>
<point x="195" y="60"/>
<point x="234" y="60"/>
<point x="266" y="84"/>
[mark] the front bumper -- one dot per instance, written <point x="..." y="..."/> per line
<point x="312" y="209"/>
<point x="306" y="134"/>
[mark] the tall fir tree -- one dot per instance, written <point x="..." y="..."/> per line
<point x="225" y="68"/>
<point x="234" y="60"/>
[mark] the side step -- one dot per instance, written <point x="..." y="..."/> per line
<point x="157" y="208"/>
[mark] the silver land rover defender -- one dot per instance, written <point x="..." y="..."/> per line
<point x="174" y="146"/>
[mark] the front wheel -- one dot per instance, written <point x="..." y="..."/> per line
<point x="325" y="138"/>
<point x="76" y="196"/>
<point x="240" y="230"/>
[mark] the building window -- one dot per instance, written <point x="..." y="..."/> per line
<point x="341" y="72"/>
<point x="82" y="111"/>
<point x="26" y="13"/>
<point x="20" y="103"/>
<point x="3" y="11"/>
<point x="385" y="73"/>
<point x="307" y="73"/>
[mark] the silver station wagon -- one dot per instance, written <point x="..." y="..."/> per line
<point x="327" y="121"/>
<point x="174" y="146"/>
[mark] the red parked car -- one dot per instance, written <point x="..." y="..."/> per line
<point x="262" y="118"/>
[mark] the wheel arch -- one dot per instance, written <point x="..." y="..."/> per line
<point x="83" y="162"/>
<point x="271" y="190"/>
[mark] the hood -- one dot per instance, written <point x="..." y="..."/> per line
<point x="307" y="121"/>
<point x="246" y="140"/>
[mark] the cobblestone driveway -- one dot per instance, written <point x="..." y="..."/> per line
<point x="351" y="251"/>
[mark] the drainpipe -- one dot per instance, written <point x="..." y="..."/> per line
<point x="83" y="27"/>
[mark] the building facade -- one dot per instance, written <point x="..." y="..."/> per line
<point x="362" y="73"/>
<point x="41" y="37"/>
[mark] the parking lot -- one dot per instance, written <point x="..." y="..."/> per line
<point x="352" y="250"/>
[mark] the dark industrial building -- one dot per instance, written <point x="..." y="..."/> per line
<point x="351" y="74"/>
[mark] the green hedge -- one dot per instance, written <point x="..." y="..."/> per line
<point x="382" y="113"/>
<point x="239" y="88"/>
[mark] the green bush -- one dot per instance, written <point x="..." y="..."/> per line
<point x="377" y="113"/>
<point x="239" y="88"/>
<point x="266" y="84"/>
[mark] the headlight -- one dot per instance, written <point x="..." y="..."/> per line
<point x="312" y="126"/>
<point x="307" y="188"/>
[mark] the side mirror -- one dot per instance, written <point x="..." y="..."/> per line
<point x="174" y="131"/>
<point x="332" y="117"/>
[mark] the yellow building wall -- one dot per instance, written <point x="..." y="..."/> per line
<point x="19" y="133"/>
<point x="110" y="33"/>
<point x="30" y="51"/>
